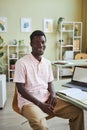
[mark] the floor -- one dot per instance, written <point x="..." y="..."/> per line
<point x="10" y="120"/>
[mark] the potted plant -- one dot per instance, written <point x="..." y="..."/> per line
<point x="2" y="27"/>
<point x="1" y="65"/>
<point x="60" y="20"/>
<point x="1" y="55"/>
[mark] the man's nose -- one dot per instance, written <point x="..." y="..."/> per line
<point x="40" y="45"/>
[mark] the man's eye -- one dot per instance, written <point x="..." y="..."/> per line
<point x="43" y="42"/>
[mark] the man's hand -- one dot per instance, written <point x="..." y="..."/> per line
<point x="52" y="100"/>
<point x="47" y="108"/>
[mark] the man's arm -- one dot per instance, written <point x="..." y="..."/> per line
<point x="52" y="98"/>
<point x="25" y="94"/>
<point x="46" y="107"/>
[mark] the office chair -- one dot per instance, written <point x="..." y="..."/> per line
<point x="15" y="102"/>
<point x="15" y="105"/>
<point x="80" y="56"/>
<point x="16" y="109"/>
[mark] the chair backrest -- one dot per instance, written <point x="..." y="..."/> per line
<point x="80" y="56"/>
<point x="15" y="102"/>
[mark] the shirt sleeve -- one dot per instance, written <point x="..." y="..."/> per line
<point x="20" y="72"/>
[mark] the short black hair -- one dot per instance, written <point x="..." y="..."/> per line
<point x="37" y="33"/>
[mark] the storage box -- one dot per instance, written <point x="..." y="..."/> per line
<point x="76" y="45"/>
<point x="65" y="72"/>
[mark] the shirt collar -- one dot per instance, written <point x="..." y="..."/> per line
<point x="35" y="60"/>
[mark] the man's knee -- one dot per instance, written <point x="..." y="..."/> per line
<point x="38" y="124"/>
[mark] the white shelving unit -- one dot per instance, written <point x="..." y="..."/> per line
<point x="3" y="58"/>
<point x="70" y="38"/>
<point x="14" y="53"/>
<point x="23" y="50"/>
<point x="12" y="58"/>
<point x="69" y="43"/>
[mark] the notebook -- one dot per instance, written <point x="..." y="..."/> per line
<point x="79" y="78"/>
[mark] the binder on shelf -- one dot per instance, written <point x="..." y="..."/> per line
<point x="76" y="45"/>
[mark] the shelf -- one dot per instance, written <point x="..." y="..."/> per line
<point x="66" y="31"/>
<point x="23" y="45"/>
<point x="14" y="53"/>
<point x="66" y="45"/>
<point x="12" y="70"/>
<point x="77" y="50"/>
<point x="11" y="58"/>
<point x="12" y="45"/>
<point x="70" y="39"/>
<point x="77" y="37"/>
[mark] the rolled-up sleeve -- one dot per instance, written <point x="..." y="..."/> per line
<point x="19" y="74"/>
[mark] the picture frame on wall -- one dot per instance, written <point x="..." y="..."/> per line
<point x="25" y="24"/>
<point x="3" y="24"/>
<point x="48" y="25"/>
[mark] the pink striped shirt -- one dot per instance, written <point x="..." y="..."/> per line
<point x="35" y="75"/>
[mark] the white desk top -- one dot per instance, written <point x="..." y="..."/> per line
<point x="68" y="63"/>
<point x="63" y="63"/>
<point x="58" y="86"/>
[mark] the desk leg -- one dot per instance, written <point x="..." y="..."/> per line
<point x="58" y="76"/>
<point x="59" y="73"/>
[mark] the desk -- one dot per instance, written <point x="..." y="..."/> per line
<point x="58" y="86"/>
<point x="70" y="63"/>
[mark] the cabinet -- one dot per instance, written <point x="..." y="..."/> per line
<point x="70" y="41"/>
<point x="14" y="53"/>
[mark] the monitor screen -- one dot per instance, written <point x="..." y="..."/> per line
<point x="80" y="74"/>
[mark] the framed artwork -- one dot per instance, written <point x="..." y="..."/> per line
<point x="3" y="24"/>
<point x="25" y="25"/>
<point x="48" y="25"/>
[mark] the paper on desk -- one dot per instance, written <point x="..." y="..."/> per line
<point x="62" y="62"/>
<point x="75" y="93"/>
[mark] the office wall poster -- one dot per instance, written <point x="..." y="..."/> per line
<point x="48" y="25"/>
<point x="3" y="24"/>
<point x="25" y="24"/>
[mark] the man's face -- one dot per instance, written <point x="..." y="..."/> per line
<point x="38" y="45"/>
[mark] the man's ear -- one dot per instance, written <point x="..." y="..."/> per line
<point x="30" y="43"/>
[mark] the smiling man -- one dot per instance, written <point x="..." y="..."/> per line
<point x="36" y="96"/>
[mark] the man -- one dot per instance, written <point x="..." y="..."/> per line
<point x="36" y="95"/>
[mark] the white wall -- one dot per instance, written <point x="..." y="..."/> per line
<point x="37" y="10"/>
